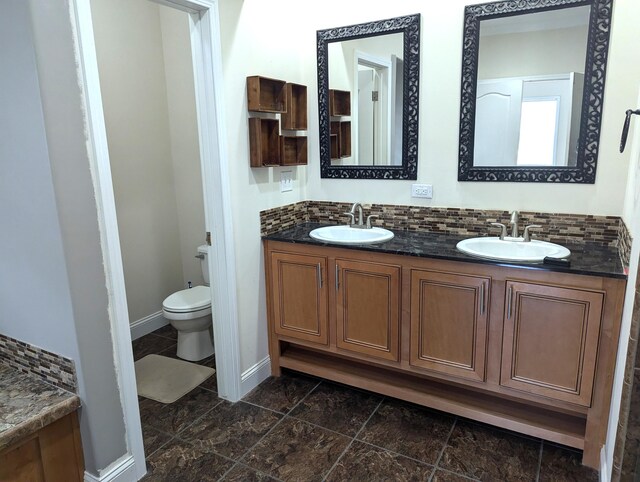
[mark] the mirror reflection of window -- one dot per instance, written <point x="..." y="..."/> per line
<point x="371" y="68"/>
<point x="538" y="132"/>
<point x="529" y="88"/>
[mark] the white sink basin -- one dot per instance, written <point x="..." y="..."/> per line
<point x="348" y="235"/>
<point x="512" y="249"/>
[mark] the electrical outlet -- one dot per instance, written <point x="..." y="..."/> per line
<point x="422" y="190"/>
<point x="286" y="181"/>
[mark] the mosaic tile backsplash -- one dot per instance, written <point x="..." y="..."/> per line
<point x="559" y="228"/>
<point x="624" y="243"/>
<point x="49" y="367"/>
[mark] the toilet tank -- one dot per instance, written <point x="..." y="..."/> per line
<point x="204" y="263"/>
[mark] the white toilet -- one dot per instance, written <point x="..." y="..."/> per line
<point x="189" y="312"/>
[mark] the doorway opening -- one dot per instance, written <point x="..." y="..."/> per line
<point x="205" y="52"/>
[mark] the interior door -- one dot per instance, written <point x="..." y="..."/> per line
<point x="498" y="107"/>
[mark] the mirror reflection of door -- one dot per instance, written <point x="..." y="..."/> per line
<point x="530" y="88"/>
<point x="366" y="114"/>
<point x="373" y="109"/>
<point x="371" y="69"/>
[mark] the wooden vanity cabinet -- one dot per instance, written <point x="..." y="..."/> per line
<point x="449" y="323"/>
<point x="299" y="296"/>
<point x="524" y="349"/>
<point x="52" y="454"/>
<point x="550" y="340"/>
<point x="368" y="308"/>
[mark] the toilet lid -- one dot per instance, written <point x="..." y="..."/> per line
<point x="193" y="299"/>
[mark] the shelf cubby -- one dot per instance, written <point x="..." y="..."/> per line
<point x="293" y="150"/>
<point x="264" y="142"/>
<point x="335" y="139"/>
<point x="266" y="95"/>
<point x="339" y="102"/>
<point x="295" y="118"/>
<point x="345" y="139"/>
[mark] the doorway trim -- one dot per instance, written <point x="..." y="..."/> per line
<point x="206" y="56"/>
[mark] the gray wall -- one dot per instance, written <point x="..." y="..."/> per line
<point x="35" y="302"/>
<point x="52" y="283"/>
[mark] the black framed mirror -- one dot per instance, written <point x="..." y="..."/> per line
<point x="368" y="99"/>
<point x="533" y="75"/>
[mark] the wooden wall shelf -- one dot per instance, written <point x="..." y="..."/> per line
<point x="293" y="150"/>
<point x="345" y="139"/>
<point x="266" y="95"/>
<point x="339" y="102"/>
<point x="295" y="118"/>
<point x="264" y="142"/>
<point x="267" y="147"/>
<point x="340" y="139"/>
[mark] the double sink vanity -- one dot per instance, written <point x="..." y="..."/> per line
<point x="526" y="346"/>
<point x="507" y="330"/>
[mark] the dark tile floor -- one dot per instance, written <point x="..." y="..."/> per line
<point x="298" y="428"/>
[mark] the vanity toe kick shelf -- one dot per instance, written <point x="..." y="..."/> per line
<point x="556" y="427"/>
<point x="529" y="349"/>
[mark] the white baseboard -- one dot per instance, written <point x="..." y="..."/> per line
<point x="122" y="470"/>
<point x="146" y="325"/>
<point x="604" y="469"/>
<point x="255" y="375"/>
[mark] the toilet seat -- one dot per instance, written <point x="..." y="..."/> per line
<point x="189" y="301"/>
<point x="186" y="315"/>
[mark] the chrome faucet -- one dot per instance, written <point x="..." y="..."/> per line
<point x="357" y="206"/>
<point x="515" y="218"/>
<point x="360" y="224"/>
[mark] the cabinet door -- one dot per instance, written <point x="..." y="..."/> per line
<point x="22" y="463"/>
<point x="550" y="340"/>
<point x="300" y="296"/>
<point x="368" y="308"/>
<point x="449" y="323"/>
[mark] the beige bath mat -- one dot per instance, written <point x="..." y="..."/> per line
<point x="166" y="379"/>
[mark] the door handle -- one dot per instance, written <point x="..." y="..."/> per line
<point x="509" y="302"/>
<point x="337" y="277"/>
<point x="319" y="272"/>
<point x="482" y="307"/>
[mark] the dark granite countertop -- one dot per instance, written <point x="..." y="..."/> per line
<point x="586" y="259"/>
<point x="28" y="404"/>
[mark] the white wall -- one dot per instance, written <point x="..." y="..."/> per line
<point x="149" y="106"/>
<point x="183" y="132"/>
<point x="631" y="216"/>
<point x="251" y="45"/>
<point x="33" y="280"/>
<point x="526" y="54"/>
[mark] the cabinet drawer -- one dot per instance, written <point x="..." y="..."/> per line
<point x="300" y="300"/>
<point x="550" y="340"/>
<point x="449" y="323"/>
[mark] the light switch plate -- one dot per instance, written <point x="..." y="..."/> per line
<point x="422" y="190"/>
<point x="286" y="181"/>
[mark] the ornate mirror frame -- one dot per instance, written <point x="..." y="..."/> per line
<point x="591" y="117"/>
<point x="410" y="26"/>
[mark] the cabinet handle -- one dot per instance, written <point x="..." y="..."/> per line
<point x="482" y="307"/>
<point x="337" y="277"/>
<point x="509" y="302"/>
<point x="319" y="271"/>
